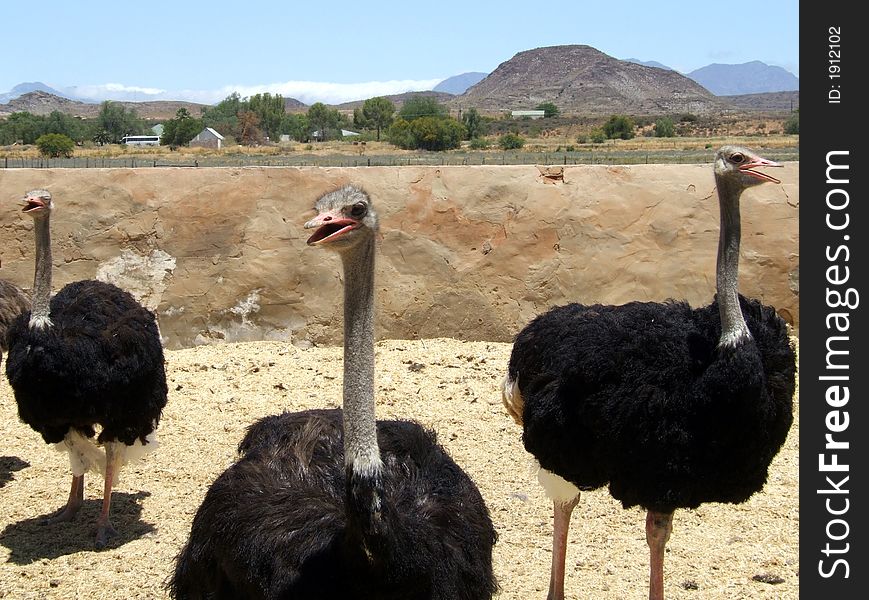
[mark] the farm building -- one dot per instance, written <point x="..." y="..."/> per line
<point x="533" y="114"/>
<point x="207" y="138"/>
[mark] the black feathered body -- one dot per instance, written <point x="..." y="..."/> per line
<point x="100" y="363"/>
<point x="275" y="524"/>
<point x="13" y="302"/>
<point x="641" y="397"/>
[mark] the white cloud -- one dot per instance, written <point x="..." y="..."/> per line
<point x="308" y="92"/>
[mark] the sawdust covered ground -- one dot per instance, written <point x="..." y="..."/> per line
<point x="715" y="552"/>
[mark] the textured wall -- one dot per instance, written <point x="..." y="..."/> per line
<point x="465" y="252"/>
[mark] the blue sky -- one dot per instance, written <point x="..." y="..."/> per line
<point x="339" y="51"/>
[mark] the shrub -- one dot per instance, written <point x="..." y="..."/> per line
<point x="597" y="136"/>
<point x="478" y="143"/>
<point x="792" y="125"/>
<point x="619" y="127"/>
<point x="55" y="145"/>
<point x="427" y="133"/>
<point x="664" y="127"/>
<point x="511" y="141"/>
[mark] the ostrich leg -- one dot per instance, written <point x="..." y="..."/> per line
<point x="658" y="528"/>
<point x="561" y="512"/>
<point x="76" y="498"/>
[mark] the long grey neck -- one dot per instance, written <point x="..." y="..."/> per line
<point x="40" y="309"/>
<point x="733" y="327"/>
<point x="361" y="452"/>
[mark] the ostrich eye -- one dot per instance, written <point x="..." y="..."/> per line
<point x="358" y="209"/>
<point x="737" y="157"/>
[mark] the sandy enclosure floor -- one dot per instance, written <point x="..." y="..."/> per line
<point x="715" y="552"/>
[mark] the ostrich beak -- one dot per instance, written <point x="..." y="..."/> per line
<point x="33" y="204"/>
<point x="757" y="161"/>
<point x="330" y="226"/>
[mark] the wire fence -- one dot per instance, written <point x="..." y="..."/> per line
<point x="585" y="157"/>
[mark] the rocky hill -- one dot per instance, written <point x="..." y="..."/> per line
<point x="580" y="79"/>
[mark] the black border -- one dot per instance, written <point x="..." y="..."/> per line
<point x="827" y="127"/>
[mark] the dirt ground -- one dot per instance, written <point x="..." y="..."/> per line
<point x="715" y="552"/>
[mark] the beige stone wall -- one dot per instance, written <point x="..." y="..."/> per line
<point x="465" y="252"/>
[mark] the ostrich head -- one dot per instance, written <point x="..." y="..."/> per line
<point x="37" y="204"/>
<point x="344" y="218"/>
<point x="734" y="165"/>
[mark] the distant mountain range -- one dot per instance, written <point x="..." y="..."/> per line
<point x="35" y="86"/>
<point x="649" y="63"/>
<point x="458" y="84"/>
<point x="752" y="77"/>
<point x="578" y="79"/>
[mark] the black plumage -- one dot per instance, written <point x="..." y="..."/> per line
<point x="86" y="362"/>
<point x="276" y="523"/>
<point x="332" y="504"/>
<point x="13" y="302"/>
<point x="669" y="406"/>
<point x="99" y="365"/>
<point x="640" y="397"/>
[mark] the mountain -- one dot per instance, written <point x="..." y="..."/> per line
<point x="399" y="99"/>
<point x="648" y="63"/>
<point x="43" y="103"/>
<point x="747" y="78"/>
<point x="35" y="86"/>
<point x="580" y="79"/>
<point x="457" y="84"/>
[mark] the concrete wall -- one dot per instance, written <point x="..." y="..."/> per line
<point x="465" y="252"/>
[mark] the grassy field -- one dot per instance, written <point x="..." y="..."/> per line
<point x="547" y="149"/>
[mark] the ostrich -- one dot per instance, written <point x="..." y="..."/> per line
<point x="671" y="406"/>
<point x="90" y="356"/>
<point x="327" y="504"/>
<point x="13" y="302"/>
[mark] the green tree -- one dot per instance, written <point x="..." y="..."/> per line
<point x="399" y="134"/>
<point x="223" y="116"/>
<point x="549" y="110"/>
<point x="58" y="122"/>
<point x="101" y="138"/>
<point x="433" y="133"/>
<point x="473" y="123"/>
<point x="511" y="141"/>
<point x="792" y="125"/>
<point x="24" y="127"/>
<point x="115" y="119"/>
<point x="619" y="127"/>
<point x="323" y="120"/>
<point x="417" y="107"/>
<point x="55" y="145"/>
<point x="180" y="130"/>
<point x="664" y="127"/>
<point x="296" y="126"/>
<point x="597" y="136"/>
<point x="270" y="110"/>
<point x="378" y="113"/>
<point x="427" y="133"/>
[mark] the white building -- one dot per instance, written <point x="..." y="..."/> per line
<point x="207" y="138"/>
<point x="534" y="114"/>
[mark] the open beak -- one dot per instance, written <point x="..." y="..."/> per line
<point x="330" y="226"/>
<point x="760" y="162"/>
<point x="32" y="204"/>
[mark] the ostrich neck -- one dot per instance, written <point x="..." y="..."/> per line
<point x="361" y="453"/>
<point x="40" y="310"/>
<point x="733" y="327"/>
